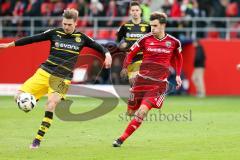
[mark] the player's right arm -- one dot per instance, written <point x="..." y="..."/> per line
<point x="128" y="59"/>
<point x="36" y="38"/>
<point x="28" y="40"/>
<point x="136" y="48"/>
<point x="121" y="34"/>
<point x="7" y="45"/>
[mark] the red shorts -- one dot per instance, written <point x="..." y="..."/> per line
<point x="148" y="92"/>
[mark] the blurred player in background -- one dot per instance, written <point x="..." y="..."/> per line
<point x="128" y="34"/>
<point x="54" y="75"/>
<point x="160" y="50"/>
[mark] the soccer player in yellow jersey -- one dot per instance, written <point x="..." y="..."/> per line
<point x="54" y="75"/>
<point x="128" y="34"/>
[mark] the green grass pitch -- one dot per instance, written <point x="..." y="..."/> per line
<point x="203" y="129"/>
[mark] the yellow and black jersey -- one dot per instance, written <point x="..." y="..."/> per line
<point x="64" y="50"/>
<point x="131" y="32"/>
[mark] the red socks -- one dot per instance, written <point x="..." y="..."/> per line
<point x="132" y="126"/>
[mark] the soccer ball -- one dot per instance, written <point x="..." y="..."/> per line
<point x="26" y="102"/>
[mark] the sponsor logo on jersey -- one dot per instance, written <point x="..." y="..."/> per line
<point x="158" y="50"/>
<point x="134" y="35"/>
<point x="66" y="46"/>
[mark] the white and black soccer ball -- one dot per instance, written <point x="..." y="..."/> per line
<point x="26" y="102"/>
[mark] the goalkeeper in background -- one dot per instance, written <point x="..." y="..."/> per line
<point x="128" y="34"/>
<point x="54" y="75"/>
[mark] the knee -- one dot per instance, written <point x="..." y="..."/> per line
<point x="140" y="115"/>
<point x="142" y="112"/>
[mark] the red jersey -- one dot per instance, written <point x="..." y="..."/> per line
<point x="158" y="55"/>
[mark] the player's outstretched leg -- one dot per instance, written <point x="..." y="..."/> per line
<point x="53" y="100"/>
<point x="133" y="125"/>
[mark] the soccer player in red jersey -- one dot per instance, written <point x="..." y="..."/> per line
<point x="160" y="51"/>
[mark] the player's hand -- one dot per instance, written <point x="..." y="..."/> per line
<point x="179" y="82"/>
<point x="108" y="60"/>
<point x="123" y="46"/>
<point x="6" y="45"/>
<point x="238" y="67"/>
<point x="131" y="81"/>
<point x="124" y="73"/>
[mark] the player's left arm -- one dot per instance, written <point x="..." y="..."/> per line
<point x="89" y="42"/>
<point x="177" y="61"/>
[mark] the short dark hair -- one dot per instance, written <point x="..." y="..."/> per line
<point x="161" y="17"/>
<point x="70" y="13"/>
<point x="135" y="3"/>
